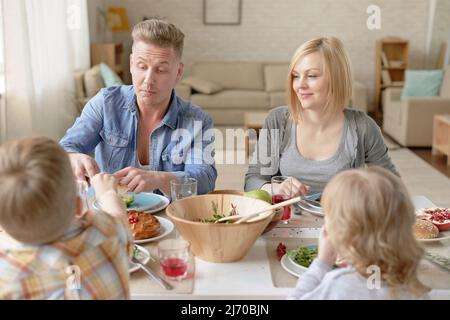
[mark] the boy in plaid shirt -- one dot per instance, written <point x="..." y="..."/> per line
<point x="49" y="247"/>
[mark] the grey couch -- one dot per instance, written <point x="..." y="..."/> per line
<point x="226" y="90"/>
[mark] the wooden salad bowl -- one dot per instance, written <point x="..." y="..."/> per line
<point x="218" y="242"/>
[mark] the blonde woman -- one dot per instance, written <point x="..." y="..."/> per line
<point x="369" y="221"/>
<point x="316" y="137"/>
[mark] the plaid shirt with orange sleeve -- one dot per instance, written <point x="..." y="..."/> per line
<point x="90" y="261"/>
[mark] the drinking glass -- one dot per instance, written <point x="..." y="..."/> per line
<point x="174" y="258"/>
<point x="83" y="189"/>
<point x="282" y="191"/>
<point x="183" y="188"/>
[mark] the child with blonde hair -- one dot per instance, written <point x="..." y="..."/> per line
<point x="369" y="221"/>
<point x="54" y="250"/>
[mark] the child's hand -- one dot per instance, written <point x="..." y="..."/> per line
<point x="327" y="253"/>
<point x="105" y="186"/>
<point x="103" y="182"/>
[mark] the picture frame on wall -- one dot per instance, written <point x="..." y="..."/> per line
<point x="222" y="12"/>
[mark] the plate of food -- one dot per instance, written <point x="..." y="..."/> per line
<point x="432" y="224"/>
<point x="142" y="201"/>
<point x="146" y="227"/>
<point x="142" y="254"/>
<point x="297" y="261"/>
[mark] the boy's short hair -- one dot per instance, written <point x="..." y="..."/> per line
<point x="38" y="190"/>
<point x="161" y="33"/>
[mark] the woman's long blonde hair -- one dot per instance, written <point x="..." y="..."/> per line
<point x="337" y="69"/>
<point x="370" y="218"/>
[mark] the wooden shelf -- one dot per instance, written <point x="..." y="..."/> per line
<point x="442" y="148"/>
<point x="389" y="50"/>
<point x="394" y="68"/>
<point x="108" y="53"/>
<point x="384" y="86"/>
<point x="441" y="135"/>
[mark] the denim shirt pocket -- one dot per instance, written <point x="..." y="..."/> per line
<point x="116" y="149"/>
<point x="172" y="161"/>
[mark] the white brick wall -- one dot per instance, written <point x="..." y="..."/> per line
<point x="272" y="29"/>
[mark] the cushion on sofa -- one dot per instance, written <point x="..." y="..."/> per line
<point x="231" y="75"/>
<point x="202" y="85"/>
<point x="109" y="76"/>
<point x="278" y="99"/>
<point x="422" y="83"/>
<point x="233" y="99"/>
<point x="93" y="81"/>
<point x="275" y="76"/>
<point x="78" y="76"/>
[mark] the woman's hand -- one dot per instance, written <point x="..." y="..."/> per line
<point x="327" y="253"/>
<point x="291" y="188"/>
<point x="299" y="188"/>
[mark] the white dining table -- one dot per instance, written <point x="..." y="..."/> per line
<point x="250" y="278"/>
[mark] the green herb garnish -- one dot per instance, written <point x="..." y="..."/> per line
<point x="303" y="256"/>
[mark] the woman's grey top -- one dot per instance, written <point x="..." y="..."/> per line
<point x="320" y="282"/>
<point x="363" y="144"/>
<point x="315" y="173"/>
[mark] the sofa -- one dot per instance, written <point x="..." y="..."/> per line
<point x="410" y="121"/>
<point x="87" y="84"/>
<point x="227" y="90"/>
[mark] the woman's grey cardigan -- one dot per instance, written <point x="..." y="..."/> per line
<point x="366" y="139"/>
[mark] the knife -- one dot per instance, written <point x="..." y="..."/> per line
<point x="163" y="283"/>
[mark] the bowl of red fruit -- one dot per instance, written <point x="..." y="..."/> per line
<point x="440" y="217"/>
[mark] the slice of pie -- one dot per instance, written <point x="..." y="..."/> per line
<point x="143" y="225"/>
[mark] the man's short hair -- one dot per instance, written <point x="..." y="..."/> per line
<point x="161" y="33"/>
<point x="38" y="193"/>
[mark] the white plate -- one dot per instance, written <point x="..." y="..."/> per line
<point x="313" y="209"/>
<point x="166" y="228"/>
<point x="443" y="235"/>
<point x="162" y="204"/>
<point x="310" y="209"/>
<point x="291" y="267"/>
<point x="143" y="256"/>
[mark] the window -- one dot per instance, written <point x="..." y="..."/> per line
<point x="2" y="64"/>
<point x="2" y="80"/>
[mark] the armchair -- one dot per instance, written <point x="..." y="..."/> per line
<point x="410" y="121"/>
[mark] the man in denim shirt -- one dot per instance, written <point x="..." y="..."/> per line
<point x="144" y="133"/>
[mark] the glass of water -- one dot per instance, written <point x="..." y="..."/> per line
<point x="183" y="188"/>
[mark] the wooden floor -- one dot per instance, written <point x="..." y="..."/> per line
<point x="438" y="162"/>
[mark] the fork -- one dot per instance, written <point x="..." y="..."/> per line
<point x="163" y="283"/>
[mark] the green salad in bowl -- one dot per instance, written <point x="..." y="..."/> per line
<point x="303" y="255"/>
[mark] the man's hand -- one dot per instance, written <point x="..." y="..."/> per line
<point x="138" y="180"/>
<point x="83" y="166"/>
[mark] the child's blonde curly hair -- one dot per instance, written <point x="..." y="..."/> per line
<point x="38" y="191"/>
<point x="370" y="218"/>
